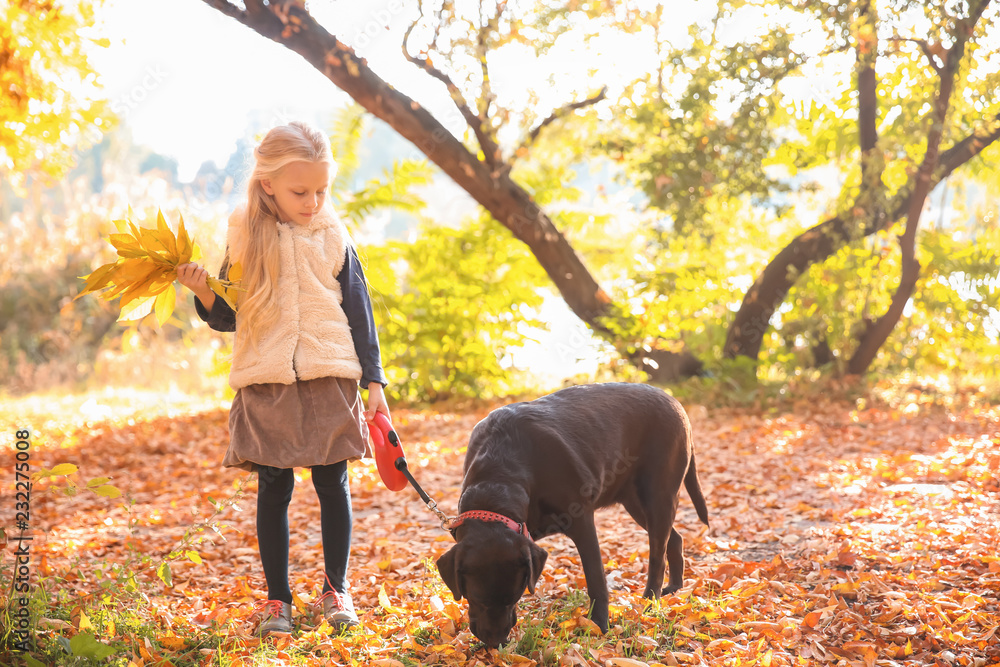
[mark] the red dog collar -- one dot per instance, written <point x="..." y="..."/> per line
<point x="483" y="515"/>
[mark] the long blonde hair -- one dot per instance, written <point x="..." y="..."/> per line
<point x="256" y="247"/>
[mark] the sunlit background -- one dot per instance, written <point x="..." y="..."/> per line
<point x="193" y="90"/>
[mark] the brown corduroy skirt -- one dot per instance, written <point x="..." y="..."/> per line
<point x="308" y="423"/>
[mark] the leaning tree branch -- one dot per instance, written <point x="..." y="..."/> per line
<point x="968" y="148"/>
<point x="561" y="112"/>
<point x="227" y="8"/>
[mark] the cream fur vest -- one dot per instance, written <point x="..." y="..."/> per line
<point x="311" y="337"/>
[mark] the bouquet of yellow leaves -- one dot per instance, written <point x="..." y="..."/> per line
<point x="146" y="268"/>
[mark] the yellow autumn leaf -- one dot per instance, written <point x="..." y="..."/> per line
<point x="165" y="303"/>
<point x="171" y="642"/>
<point x="236" y="271"/>
<point x="108" y="491"/>
<point x="383" y="601"/>
<point x="223" y="289"/>
<point x="135" y="270"/>
<point x="142" y="289"/>
<point x="185" y="249"/>
<point x="154" y="245"/>
<point x="137" y="310"/>
<point x="126" y="243"/>
<point x="120" y="286"/>
<point x="99" y="278"/>
<point x="165" y="235"/>
<point x="143" y="275"/>
<point x="63" y="469"/>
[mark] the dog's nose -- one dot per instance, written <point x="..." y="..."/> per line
<point x="496" y="641"/>
<point x="491" y="639"/>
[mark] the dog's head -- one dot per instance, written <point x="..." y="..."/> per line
<point x="491" y="567"/>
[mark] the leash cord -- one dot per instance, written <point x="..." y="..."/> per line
<point x="431" y="504"/>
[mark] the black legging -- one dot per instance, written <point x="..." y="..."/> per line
<point x="274" y="492"/>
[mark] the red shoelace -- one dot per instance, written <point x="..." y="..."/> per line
<point x="332" y="593"/>
<point x="270" y="607"/>
<point x="335" y="596"/>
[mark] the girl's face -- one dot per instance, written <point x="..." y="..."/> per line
<point x="299" y="189"/>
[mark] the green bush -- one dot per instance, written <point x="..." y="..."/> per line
<point x="449" y="306"/>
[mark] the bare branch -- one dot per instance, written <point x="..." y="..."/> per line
<point x="931" y="51"/>
<point x="562" y="111"/>
<point x="866" y="56"/>
<point x="486" y="93"/>
<point x="491" y="151"/>
<point x="657" y="17"/>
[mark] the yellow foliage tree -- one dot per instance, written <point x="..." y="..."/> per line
<point x="50" y="101"/>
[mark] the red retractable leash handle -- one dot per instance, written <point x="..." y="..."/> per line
<point x="388" y="451"/>
<point x="391" y="462"/>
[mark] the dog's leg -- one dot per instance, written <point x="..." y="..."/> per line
<point x="635" y="509"/>
<point x="675" y="560"/>
<point x="584" y="536"/>
<point x="659" y="526"/>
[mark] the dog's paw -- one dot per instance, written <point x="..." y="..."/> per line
<point x="601" y="621"/>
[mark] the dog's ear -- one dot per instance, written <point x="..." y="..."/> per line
<point x="536" y="557"/>
<point x="447" y="566"/>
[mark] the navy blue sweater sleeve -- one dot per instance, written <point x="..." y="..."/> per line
<point x="222" y="317"/>
<point x="358" y="308"/>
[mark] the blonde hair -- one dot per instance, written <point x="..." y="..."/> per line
<point x="256" y="248"/>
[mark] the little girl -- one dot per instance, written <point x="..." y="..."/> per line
<point x="305" y="337"/>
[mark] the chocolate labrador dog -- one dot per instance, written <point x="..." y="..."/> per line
<point x="542" y="467"/>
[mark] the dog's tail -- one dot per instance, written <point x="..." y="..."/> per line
<point x="693" y="487"/>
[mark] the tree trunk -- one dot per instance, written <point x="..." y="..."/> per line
<point x="746" y="333"/>
<point x="875" y="335"/>
<point x="506" y="201"/>
<point x="878" y="332"/>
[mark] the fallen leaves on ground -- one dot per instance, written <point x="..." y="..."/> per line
<point x="839" y="536"/>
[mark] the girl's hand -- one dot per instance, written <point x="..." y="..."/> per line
<point x="192" y="276"/>
<point x="376" y="402"/>
<point x="195" y="278"/>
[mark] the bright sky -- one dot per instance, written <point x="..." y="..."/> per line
<point x="186" y="78"/>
